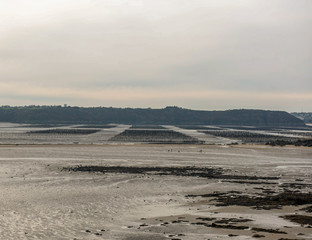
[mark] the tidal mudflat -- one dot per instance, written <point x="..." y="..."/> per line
<point x="155" y="191"/>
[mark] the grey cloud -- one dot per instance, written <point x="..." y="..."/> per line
<point x="246" y="45"/>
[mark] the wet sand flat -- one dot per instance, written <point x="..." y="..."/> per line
<point x="41" y="198"/>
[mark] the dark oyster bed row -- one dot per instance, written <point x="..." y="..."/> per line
<point x="154" y="136"/>
<point x="300" y="142"/>
<point x="65" y="131"/>
<point x="147" y="127"/>
<point x="249" y="137"/>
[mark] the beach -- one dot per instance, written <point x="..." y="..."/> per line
<point x="45" y="196"/>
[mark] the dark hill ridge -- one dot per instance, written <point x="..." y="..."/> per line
<point x="168" y="115"/>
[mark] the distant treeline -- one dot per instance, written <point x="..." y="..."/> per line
<point x="168" y="115"/>
<point x="305" y="116"/>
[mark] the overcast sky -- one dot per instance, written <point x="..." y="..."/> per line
<point x="199" y="54"/>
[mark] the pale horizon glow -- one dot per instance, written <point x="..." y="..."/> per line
<point x="204" y="54"/>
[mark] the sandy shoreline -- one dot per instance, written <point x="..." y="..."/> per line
<point x="42" y="201"/>
<point x="149" y="144"/>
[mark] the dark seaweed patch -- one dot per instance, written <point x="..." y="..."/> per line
<point x="202" y="172"/>
<point x="205" y="219"/>
<point x="288" y="239"/>
<point x="268" y="230"/>
<point x="258" y="236"/>
<point x="250" y="182"/>
<point x="233" y="220"/>
<point x="176" y="171"/>
<point x="228" y="226"/>
<point x="232" y="235"/>
<point x="214" y="194"/>
<point x="267" y="202"/>
<point x="301" y="219"/>
<point x="296" y="185"/>
<point x="307" y="209"/>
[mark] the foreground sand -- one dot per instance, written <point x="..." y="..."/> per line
<point x="40" y="200"/>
